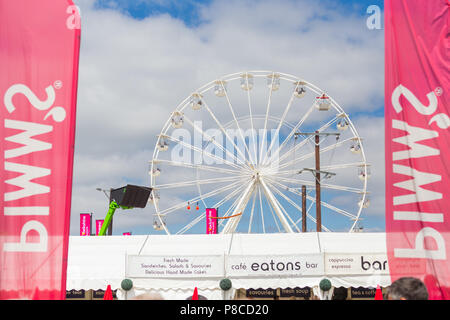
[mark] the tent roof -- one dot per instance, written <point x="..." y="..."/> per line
<point x="274" y="243"/>
<point x="95" y="262"/>
<point x="353" y="242"/>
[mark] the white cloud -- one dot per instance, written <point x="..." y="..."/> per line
<point x="133" y="73"/>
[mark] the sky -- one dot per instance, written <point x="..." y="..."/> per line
<point x="139" y="59"/>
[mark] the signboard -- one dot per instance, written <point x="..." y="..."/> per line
<point x="211" y="223"/>
<point x="296" y="292"/>
<point x="75" y="294"/>
<point x="39" y="50"/>
<point x="356" y="264"/>
<point x="85" y="224"/>
<point x="273" y="265"/>
<point x="100" y="294"/>
<point x="98" y="226"/>
<point x="417" y="123"/>
<point x="261" y="293"/>
<point x="332" y="264"/>
<point x="363" y="292"/>
<point x="174" y="266"/>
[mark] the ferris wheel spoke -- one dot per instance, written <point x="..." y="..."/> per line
<point x="253" y="210"/>
<point x="225" y="132"/>
<point x="255" y="152"/>
<point x="195" y="182"/>
<point x="216" y="205"/>
<point x="230" y="209"/>
<point x="310" y="155"/>
<point x="191" y="224"/>
<point x="298" y="146"/>
<point x="325" y="168"/>
<point x="295" y="129"/>
<point x="341" y="188"/>
<point x="201" y="151"/>
<point x="322" y="185"/>
<point x="314" y="220"/>
<point x="198" y="198"/>
<point x="240" y="207"/>
<point x="313" y="200"/>
<point x="283" y="117"/>
<point x="211" y="139"/>
<point x="228" y="212"/>
<point x="261" y="209"/>
<point x="232" y="194"/>
<point x="343" y="166"/>
<point x="333" y="208"/>
<point x="237" y="124"/>
<point x="203" y="215"/>
<point x="265" y="121"/>
<point x="303" y="142"/>
<point x="273" y="182"/>
<point x="288" y="200"/>
<point x="279" y="210"/>
<point x="274" y="218"/>
<point x="197" y="166"/>
<point x="307" y="213"/>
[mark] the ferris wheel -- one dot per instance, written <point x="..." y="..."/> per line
<point x="271" y="151"/>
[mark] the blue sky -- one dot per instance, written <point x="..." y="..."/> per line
<point x="139" y="59"/>
<point x="187" y="11"/>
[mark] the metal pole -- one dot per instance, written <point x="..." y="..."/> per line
<point x="90" y="226"/>
<point x="318" y="202"/>
<point x="303" y="208"/>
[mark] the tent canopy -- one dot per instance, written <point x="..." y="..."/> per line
<point x="248" y="260"/>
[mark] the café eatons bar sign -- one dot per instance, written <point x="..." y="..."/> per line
<point x="247" y="266"/>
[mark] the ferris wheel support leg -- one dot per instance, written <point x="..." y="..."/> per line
<point x="231" y="225"/>
<point x="275" y="206"/>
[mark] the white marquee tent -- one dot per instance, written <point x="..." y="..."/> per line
<point x="173" y="265"/>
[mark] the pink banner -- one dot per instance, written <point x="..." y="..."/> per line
<point x="98" y="226"/>
<point x="85" y="224"/>
<point x="211" y="223"/>
<point x="417" y="125"/>
<point x="39" y="49"/>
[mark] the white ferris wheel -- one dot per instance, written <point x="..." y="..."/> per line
<point x="271" y="151"/>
